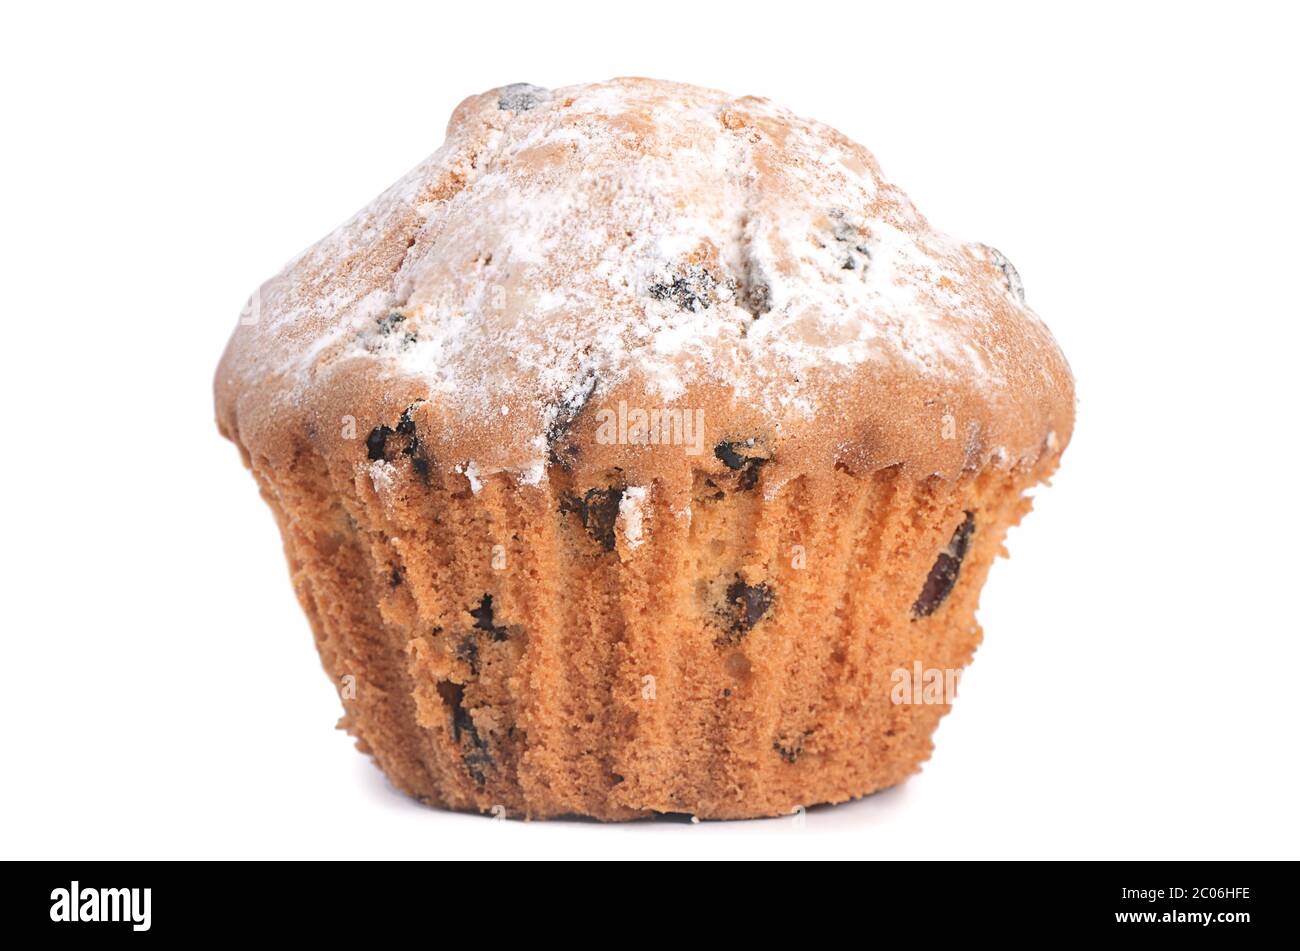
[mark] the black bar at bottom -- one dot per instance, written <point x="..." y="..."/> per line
<point x="1225" y="901"/>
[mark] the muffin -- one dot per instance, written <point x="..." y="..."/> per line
<point x="643" y="451"/>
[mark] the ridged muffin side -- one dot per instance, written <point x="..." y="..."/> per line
<point x="547" y="650"/>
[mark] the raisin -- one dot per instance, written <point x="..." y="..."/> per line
<point x="706" y="490"/>
<point x="478" y="761"/>
<point x="745" y="457"/>
<point x="845" y="232"/>
<point x="389" y="327"/>
<point x="414" y="450"/>
<point x="377" y="441"/>
<point x="467" y="650"/>
<point x="567" y="411"/>
<point x="477" y="758"/>
<point x="943" y="576"/>
<point x="1014" y="284"/>
<point x="395" y="578"/>
<point x="755" y="294"/>
<point x="691" y="290"/>
<point x="483" y="620"/>
<point x="744" y="606"/>
<point x="751" y="601"/>
<point x="521" y="97"/>
<point x="726" y="451"/>
<point x="406" y="426"/>
<point x="462" y="724"/>
<point x="598" y="511"/>
<point x="788" y="750"/>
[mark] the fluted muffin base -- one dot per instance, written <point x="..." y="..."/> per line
<point x="533" y="651"/>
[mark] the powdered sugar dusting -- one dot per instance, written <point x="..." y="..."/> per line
<point x="562" y="241"/>
<point x="383" y="476"/>
<point x="631" y="515"/>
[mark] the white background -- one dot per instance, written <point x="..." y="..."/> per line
<point x="160" y="694"/>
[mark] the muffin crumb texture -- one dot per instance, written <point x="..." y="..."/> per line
<point x="515" y="649"/>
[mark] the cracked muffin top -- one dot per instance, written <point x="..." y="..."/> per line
<point x="660" y="246"/>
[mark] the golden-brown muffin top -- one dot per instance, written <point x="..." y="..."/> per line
<point x="654" y="246"/>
